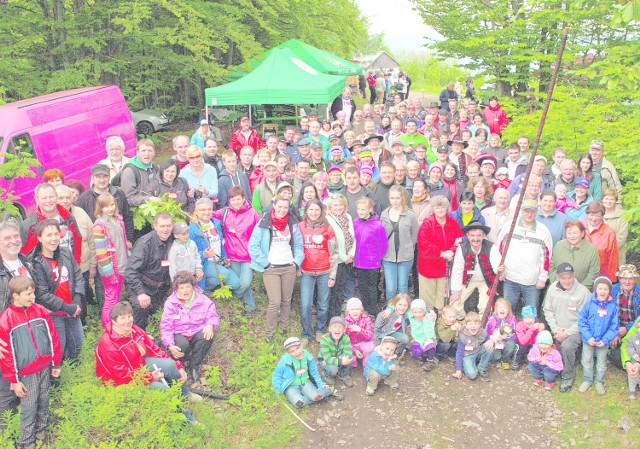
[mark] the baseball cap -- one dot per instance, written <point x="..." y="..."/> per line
<point x="564" y="268"/>
<point x="100" y="169"/>
<point x="529" y="204"/>
<point x="316" y="145"/>
<point x="582" y="182"/>
<point x="337" y="319"/>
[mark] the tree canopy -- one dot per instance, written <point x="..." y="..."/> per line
<point x="160" y="52"/>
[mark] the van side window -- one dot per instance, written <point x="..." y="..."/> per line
<point x="21" y="144"/>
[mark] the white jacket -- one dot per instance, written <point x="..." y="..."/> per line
<point x="529" y="253"/>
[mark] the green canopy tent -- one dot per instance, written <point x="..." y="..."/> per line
<point x="282" y="78"/>
<point x="321" y="60"/>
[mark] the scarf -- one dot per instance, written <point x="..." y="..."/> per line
<point x="335" y="187"/>
<point x="135" y="161"/>
<point x="343" y="222"/>
<point x="279" y="224"/>
<point x="419" y="199"/>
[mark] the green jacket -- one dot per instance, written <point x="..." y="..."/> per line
<point x="584" y="259"/>
<point x="624" y="355"/>
<point x="330" y="351"/>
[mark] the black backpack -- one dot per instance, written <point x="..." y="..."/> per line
<point x="117" y="182"/>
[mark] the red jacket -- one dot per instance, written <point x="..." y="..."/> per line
<point x="33" y="341"/>
<point x="496" y="119"/>
<point x="432" y="240"/>
<point x="238" y="141"/>
<point x="31" y="240"/>
<point x="119" y="357"/>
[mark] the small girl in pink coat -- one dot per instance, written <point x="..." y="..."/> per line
<point x="360" y="331"/>
<point x="545" y="361"/>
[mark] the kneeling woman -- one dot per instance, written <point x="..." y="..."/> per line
<point x="188" y="321"/>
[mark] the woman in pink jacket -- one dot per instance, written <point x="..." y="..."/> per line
<point x="495" y="116"/>
<point x="188" y="321"/>
<point x="238" y="220"/>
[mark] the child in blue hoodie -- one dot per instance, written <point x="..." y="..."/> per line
<point x="598" y="323"/>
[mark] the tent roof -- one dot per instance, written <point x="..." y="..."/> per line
<point x="282" y="78"/>
<point x="321" y="60"/>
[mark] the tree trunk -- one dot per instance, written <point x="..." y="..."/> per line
<point x="504" y="88"/>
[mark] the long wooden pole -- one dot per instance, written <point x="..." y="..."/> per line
<point x="536" y="143"/>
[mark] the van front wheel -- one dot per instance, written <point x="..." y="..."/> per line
<point x="145" y="127"/>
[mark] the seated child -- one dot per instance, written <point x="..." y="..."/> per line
<point x="32" y="357"/>
<point x="393" y="322"/>
<point x="501" y="327"/>
<point x="296" y="375"/>
<point x="184" y="256"/>
<point x="382" y="366"/>
<point x="502" y="176"/>
<point x="633" y="349"/>
<point x="423" y="332"/>
<point x="335" y="353"/>
<point x="474" y="350"/>
<point x="562" y="202"/>
<point x="545" y="361"/>
<point x="447" y="329"/>
<point x="360" y="331"/>
<point x="598" y="324"/>
<point x="526" y="333"/>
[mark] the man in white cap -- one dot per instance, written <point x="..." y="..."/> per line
<point x="528" y="258"/>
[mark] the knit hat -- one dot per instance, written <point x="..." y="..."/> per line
<point x="419" y="304"/>
<point x="337" y="319"/>
<point x="627" y="271"/>
<point x="336" y="149"/>
<point x="334" y="169"/>
<point x="434" y="167"/>
<point x="291" y="341"/>
<point x="366" y="171"/>
<point x="544" y="337"/>
<point x="602" y="280"/>
<point x="389" y="339"/>
<point x="354" y="303"/>
<point x="365" y="153"/>
<point x="180" y="228"/>
<point x="529" y="312"/>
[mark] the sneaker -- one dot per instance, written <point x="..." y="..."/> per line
<point x="600" y="389"/>
<point x="428" y="365"/>
<point x="338" y="394"/>
<point x="370" y="392"/>
<point x="393" y="386"/>
<point x="505" y="365"/>
<point x="632" y="396"/>
<point x="584" y="387"/>
<point x="515" y="366"/>
<point x="319" y="337"/>
<point x="304" y="342"/>
<point x="331" y="381"/>
<point x="549" y="386"/>
<point x="538" y="382"/>
<point x="348" y="381"/>
<point x="484" y="376"/>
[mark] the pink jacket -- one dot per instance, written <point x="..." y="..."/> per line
<point x="526" y="335"/>
<point x="553" y="358"/>
<point x="177" y="319"/>
<point x="366" y="328"/>
<point x="237" y="226"/>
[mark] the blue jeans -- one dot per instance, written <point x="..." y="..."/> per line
<point x="529" y="293"/>
<point x="543" y="372"/>
<point x="305" y="394"/>
<point x="71" y="335"/>
<point x="169" y="369"/>
<point x="308" y="284"/>
<point x="230" y="277"/>
<point x="396" y="277"/>
<point x="478" y="361"/>
<point x="588" y="354"/>
<point x="506" y="354"/>
<point x="245" y="275"/>
<point x="340" y="371"/>
<point x="446" y="349"/>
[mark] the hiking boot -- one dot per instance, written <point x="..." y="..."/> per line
<point x="304" y="342"/>
<point x="549" y="386"/>
<point x="393" y="386"/>
<point x="515" y="365"/>
<point x="338" y="394"/>
<point x="566" y="385"/>
<point x="331" y="381"/>
<point x="538" y="382"/>
<point x="600" y="389"/>
<point x="348" y="381"/>
<point x="484" y="376"/>
<point x="428" y="365"/>
<point x="319" y="336"/>
<point x="584" y="387"/>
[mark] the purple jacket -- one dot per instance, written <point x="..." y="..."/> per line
<point x="237" y="226"/>
<point x="177" y="319"/>
<point x="494" y="323"/>
<point x="371" y="243"/>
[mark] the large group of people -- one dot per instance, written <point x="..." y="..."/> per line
<point x="372" y="209"/>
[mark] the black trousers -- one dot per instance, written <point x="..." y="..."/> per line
<point x="140" y="315"/>
<point x="368" y="288"/>
<point x="195" y="349"/>
<point x="337" y="296"/>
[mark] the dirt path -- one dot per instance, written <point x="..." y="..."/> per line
<point x="434" y="411"/>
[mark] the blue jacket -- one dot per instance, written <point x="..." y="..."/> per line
<point x="378" y="364"/>
<point x="260" y="242"/>
<point x="284" y="373"/>
<point x="601" y="327"/>
<point x="202" y="242"/>
<point x="581" y="212"/>
<point x="457" y="216"/>
<point x="635" y="300"/>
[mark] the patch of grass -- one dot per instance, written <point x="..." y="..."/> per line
<point x="591" y="421"/>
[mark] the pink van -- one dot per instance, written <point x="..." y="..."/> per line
<point x="65" y="130"/>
